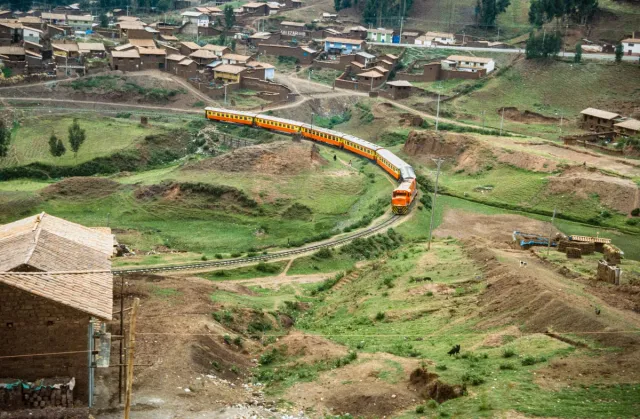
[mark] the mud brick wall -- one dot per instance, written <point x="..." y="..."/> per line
<point x="574" y="252"/>
<point x="586" y="248"/>
<point x="612" y="254"/>
<point x="30" y="324"/>
<point x="608" y="273"/>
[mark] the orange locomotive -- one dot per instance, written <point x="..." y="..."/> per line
<point x="403" y="195"/>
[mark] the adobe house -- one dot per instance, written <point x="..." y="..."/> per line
<point x="127" y="60"/>
<point x="256" y="9"/>
<point x="187" y="48"/>
<point x="55" y="289"/>
<point x="399" y="89"/>
<point x="152" y="58"/>
<point x="597" y="120"/>
<point x="629" y="127"/>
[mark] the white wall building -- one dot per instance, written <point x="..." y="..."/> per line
<point x="631" y="46"/>
<point x="442" y="37"/>
<point x="473" y="64"/>
<point x="195" y="18"/>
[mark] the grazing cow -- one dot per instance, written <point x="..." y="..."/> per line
<point x="523" y="264"/>
<point x="454" y="351"/>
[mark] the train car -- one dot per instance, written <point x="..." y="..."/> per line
<point x="277" y="124"/>
<point x="322" y="134"/>
<point x="228" y="115"/>
<point x="403" y="196"/>
<point x="394" y="165"/>
<point x="360" y="147"/>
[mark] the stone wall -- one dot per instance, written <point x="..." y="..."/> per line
<point x="30" y="324"/>
<point x="17" y="394"/>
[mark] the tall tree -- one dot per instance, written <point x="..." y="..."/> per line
<point x="577" y="58"/>
<point x="543" y="45"/>
<point x="104" y="20"/>
<point x="619" y="52"/>
<point x="77" y="136"/>
<point x="337" y="5"/>
<point x="346" y="4"/>
<point x="5" y="139"/>
<point x="56" y="147"/>
<point x="164" y="5"/>
<point x="580" y="11"/>
<point x="229" y="17"/>
<point x="489" y="11"/>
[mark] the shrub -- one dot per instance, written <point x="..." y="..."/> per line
<point x="324" y="253"/>
<point x="432" y="404"/>
<point x="236" y="254"/>
<point x="472" y="378"/>
<point x="632" y="221"/>
<point x="268" y="358"/>
<point x="380" y="316"/>
<point x="635" y="212"/>
<point x="267" y="268"/>
<point x="441" y="367"/>
<point x="420" y="409"/>
<point x="508" y="353"/>
<point x="507" y="366"/>
<point x="204" y="258"/>
<point x="529" y="360"/>
<point x="218" y="256"/>
<point x="429" y="294"/>
<point x="227" y="339"/>
<point x="220" y="273"/>
<point x="238" y="341"/>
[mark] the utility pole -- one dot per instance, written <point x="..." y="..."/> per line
<point x="130" y="350"/>
<point x="121" y="358"/>
<point x="438" y="112"/>
<point x="502" y="121"/>
<point x="433" y="203"/>
<point x="312" y="119"/>
<point x="483" y="112"/>
<point x="551" y="231"/>
<point x="561" y="123"/>
<point x="225" y="94"/>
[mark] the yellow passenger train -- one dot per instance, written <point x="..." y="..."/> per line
<point x="403" y="195"/>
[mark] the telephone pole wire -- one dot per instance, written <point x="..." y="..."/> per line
<point x="433" y="203"/>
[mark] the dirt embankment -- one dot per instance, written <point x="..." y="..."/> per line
<point x="216" y="196"/>
<point x="614" y="192"/>
<point x="471" y="155"/>
<point x="279" y="158"/>
<point x="81" y="187"/>
<point x="514" y="114"/>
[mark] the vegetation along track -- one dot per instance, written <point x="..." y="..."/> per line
<point x="260" y="258"/>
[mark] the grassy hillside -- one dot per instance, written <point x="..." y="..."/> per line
<point x="104" y="136"/>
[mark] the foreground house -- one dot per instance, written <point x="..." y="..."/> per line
<point x="631" y="46"/>
<point x="343" y="46"/>
<point x="380" y="35"/>
<point x="630" y="127"/>
<point x="472" y="64"/>
<point x="55" y="290"/>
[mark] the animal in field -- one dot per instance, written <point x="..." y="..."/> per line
<point x="523" y="264"/>
<point x="454" y="351"/>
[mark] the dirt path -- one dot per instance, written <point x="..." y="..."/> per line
<point x="278" y="281"/>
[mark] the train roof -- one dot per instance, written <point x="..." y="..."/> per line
<point x="244" y="113"/>
<point x="325" y="130"/>
<point x="406" y="171"/>
<point x="275" y="118"/>
<point x="361" y="142"/>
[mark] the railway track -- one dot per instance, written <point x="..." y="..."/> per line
<point x="260" y="258"/>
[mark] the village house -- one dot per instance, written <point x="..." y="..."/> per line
<point x="444" y="38"/>
<point x="31" y="35"/>
<point x="80" y="23"/>
<point x="293" y="29"/>
<point x="124" y="27"/>
<point x="628" y="128"/>
<point x="228" y="73"/>
<point x="202" y="57"/>
<point x="597" y="120"/>
<point x="152" y="58"/>
<point x="409" y="37"/>
<point x="68" y="50"/>
<point x="256" y="9"/>
<point x="303" y="55"/>
<point x="54" y="18"/>
<point x="370" y="79"/>
<point x="631" y="46"/>
<point x="355" y="32"/>
<point x="380" y="35"/>
<point x="399" y="89"/>
<point x="55" y="289"/>
<point x="365" y="59"/>
<point x="187" y="69"/>
<point x="187" y="48"/>
<point x="472" y="64"/>
<point x="343" y="45"/>
<point x="127" y="60"/>
<point x="424" y="40"/>
<point x="235" y="59"/>
<point x="195" y="18"/>
<point x="92" y="49"/>
<point x="172" y="61"/>
<point x="269" y="70"/>
<point x="218" y="50"/>
<point x="10" y="33"/>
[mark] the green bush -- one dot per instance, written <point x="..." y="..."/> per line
<point x="268" y="358"/>
<point x="227" y="339"/>
<point x="420" y="409"/>
<point x="324" y="253"/>
<point x="472" y="378"/>
<point x="508" y="353"/>
<point x="267" y="268"/>
<point x="432" y="404"/>
<point x="441" y="367"/>
<point x="635" y="212"/>
<point x="380" y="316"/>
<point x="529" y="360"/>
<point x="507" y="366"/>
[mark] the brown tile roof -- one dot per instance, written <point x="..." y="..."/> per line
<point x="86" y="18"/>
<point x="190" y="45"/>
<point x="130" y="25"/>
<point x="599" y="114"/>
<point x="128" y="19"/>
<point x="632" y="124"/>
<point x="152" y="51"/>
<point x="130" y="53"/>
<point x="91" y="46"/>
<point x="217" y="48"/>
<point x="87" y="291"/>
<point x="144" y="43"/>
<point x="51" y="243"/>
<point x="203" y="53"/>
<point x="186" y="61"/>
<point x="66" y="47"/>
<point x="124" y="47"/>
<point x="228" y="68"/>
<point x="175" y="57"/>
<point x="371" y="73"/>
<point x="440" y="34"/>
<point x="236" y="57"/>
<point x="168" y="38"/>
<point x="11" y="51"/>
<point x="631" y="40"/>
<point x="254" y="5"/>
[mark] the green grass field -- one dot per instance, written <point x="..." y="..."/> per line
<point x="551" y="88"/>
<point x="104" y="136"/>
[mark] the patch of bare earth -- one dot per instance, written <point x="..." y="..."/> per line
<point x="310" y="348"/>
<point x="81" y="187"/>
<point x="376" y="385"/>
<point x="279" y="158"/>
<point x="615" y="192"/>
<point x="470" y="154"/>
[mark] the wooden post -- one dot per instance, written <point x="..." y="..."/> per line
<point x="130" y="349"/>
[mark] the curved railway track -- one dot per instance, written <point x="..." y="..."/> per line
<point x="259" y="258"/>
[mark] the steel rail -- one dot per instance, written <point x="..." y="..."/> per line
<point x="259" y="258"/>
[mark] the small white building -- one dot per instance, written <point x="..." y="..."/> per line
<point x="442" y="37"/>
<point x="196" y="18"/>
<point x="424" y="40"/>
<point x="31" y="34"/>
<point x="631" y="46"/>
<point x="472" y="64"/>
